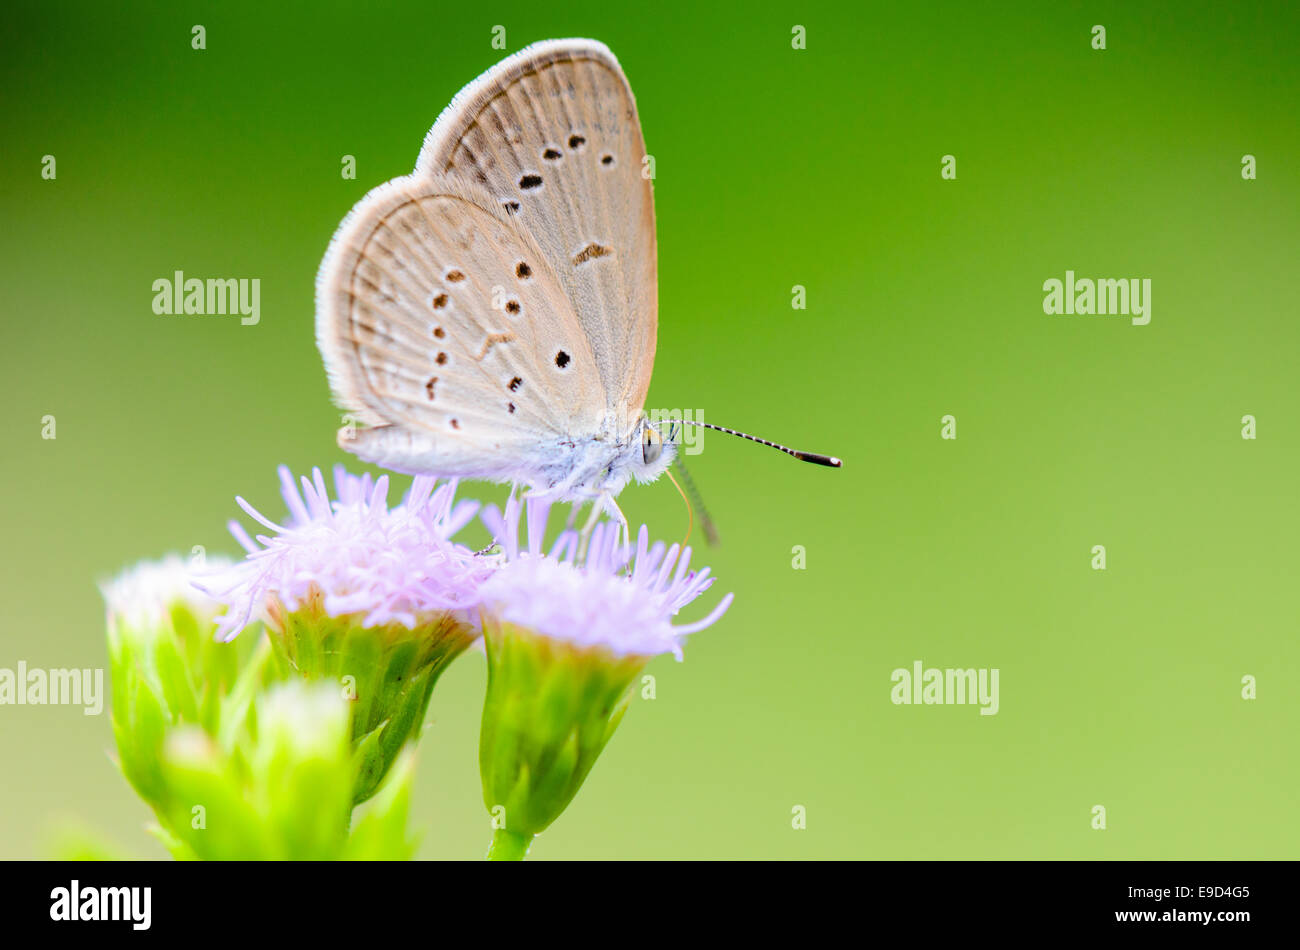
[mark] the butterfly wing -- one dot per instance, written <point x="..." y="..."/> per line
<point x="444" y="328"/>
<point x="552" y="134"/>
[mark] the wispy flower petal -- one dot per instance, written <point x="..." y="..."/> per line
<point x="387" y="565"/>
<point x="619" y="598"/>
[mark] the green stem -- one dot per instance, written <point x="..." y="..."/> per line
<point x="508" y="846"/>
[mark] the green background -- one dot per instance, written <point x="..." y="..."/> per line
<point x="775" y="167"/>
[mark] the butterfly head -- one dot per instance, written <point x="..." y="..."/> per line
<point x="643" y="456"/>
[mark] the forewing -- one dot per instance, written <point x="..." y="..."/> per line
<point x="552" y="134"/>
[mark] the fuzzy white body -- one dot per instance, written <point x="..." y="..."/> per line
<point x="582" y="468"/>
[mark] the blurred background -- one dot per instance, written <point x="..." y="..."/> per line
<point x="775" y="167"/>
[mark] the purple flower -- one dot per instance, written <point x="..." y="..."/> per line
<point x="357" y="555"/>
<point x="618" y="599"/>
<point x="566" y="633"/>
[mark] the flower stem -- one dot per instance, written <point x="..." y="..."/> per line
<point x="508" y="846"/>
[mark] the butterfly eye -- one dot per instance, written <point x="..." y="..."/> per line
<point x="652" y="445"/>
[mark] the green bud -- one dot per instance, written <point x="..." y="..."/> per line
<point x="380" y="834"/>
<point x="165" y="664"/>
<point x="551" y="706"/>
<point x="281" y="792"/>
<point x="386" y="672"/>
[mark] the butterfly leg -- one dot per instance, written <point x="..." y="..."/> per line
<point x="584" y="537"/>
<point x="494" y="540"/>
<point x="624" y="529"/>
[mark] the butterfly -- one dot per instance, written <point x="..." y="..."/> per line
<point x="493" y="314"/>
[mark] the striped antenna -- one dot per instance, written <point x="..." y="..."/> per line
<point x="816" y="459"/>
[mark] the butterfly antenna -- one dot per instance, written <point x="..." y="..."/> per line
<point x="815" y="458"/>
<point x="710" y="529"/>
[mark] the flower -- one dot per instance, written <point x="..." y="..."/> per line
<point x="234" y="764"/>
<point x="378" y="600"/>
<point x="566" y="635"/>
<point x="167" y="668"/>
<point x="358" y="556"/>
<point x="616" y="599"/>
